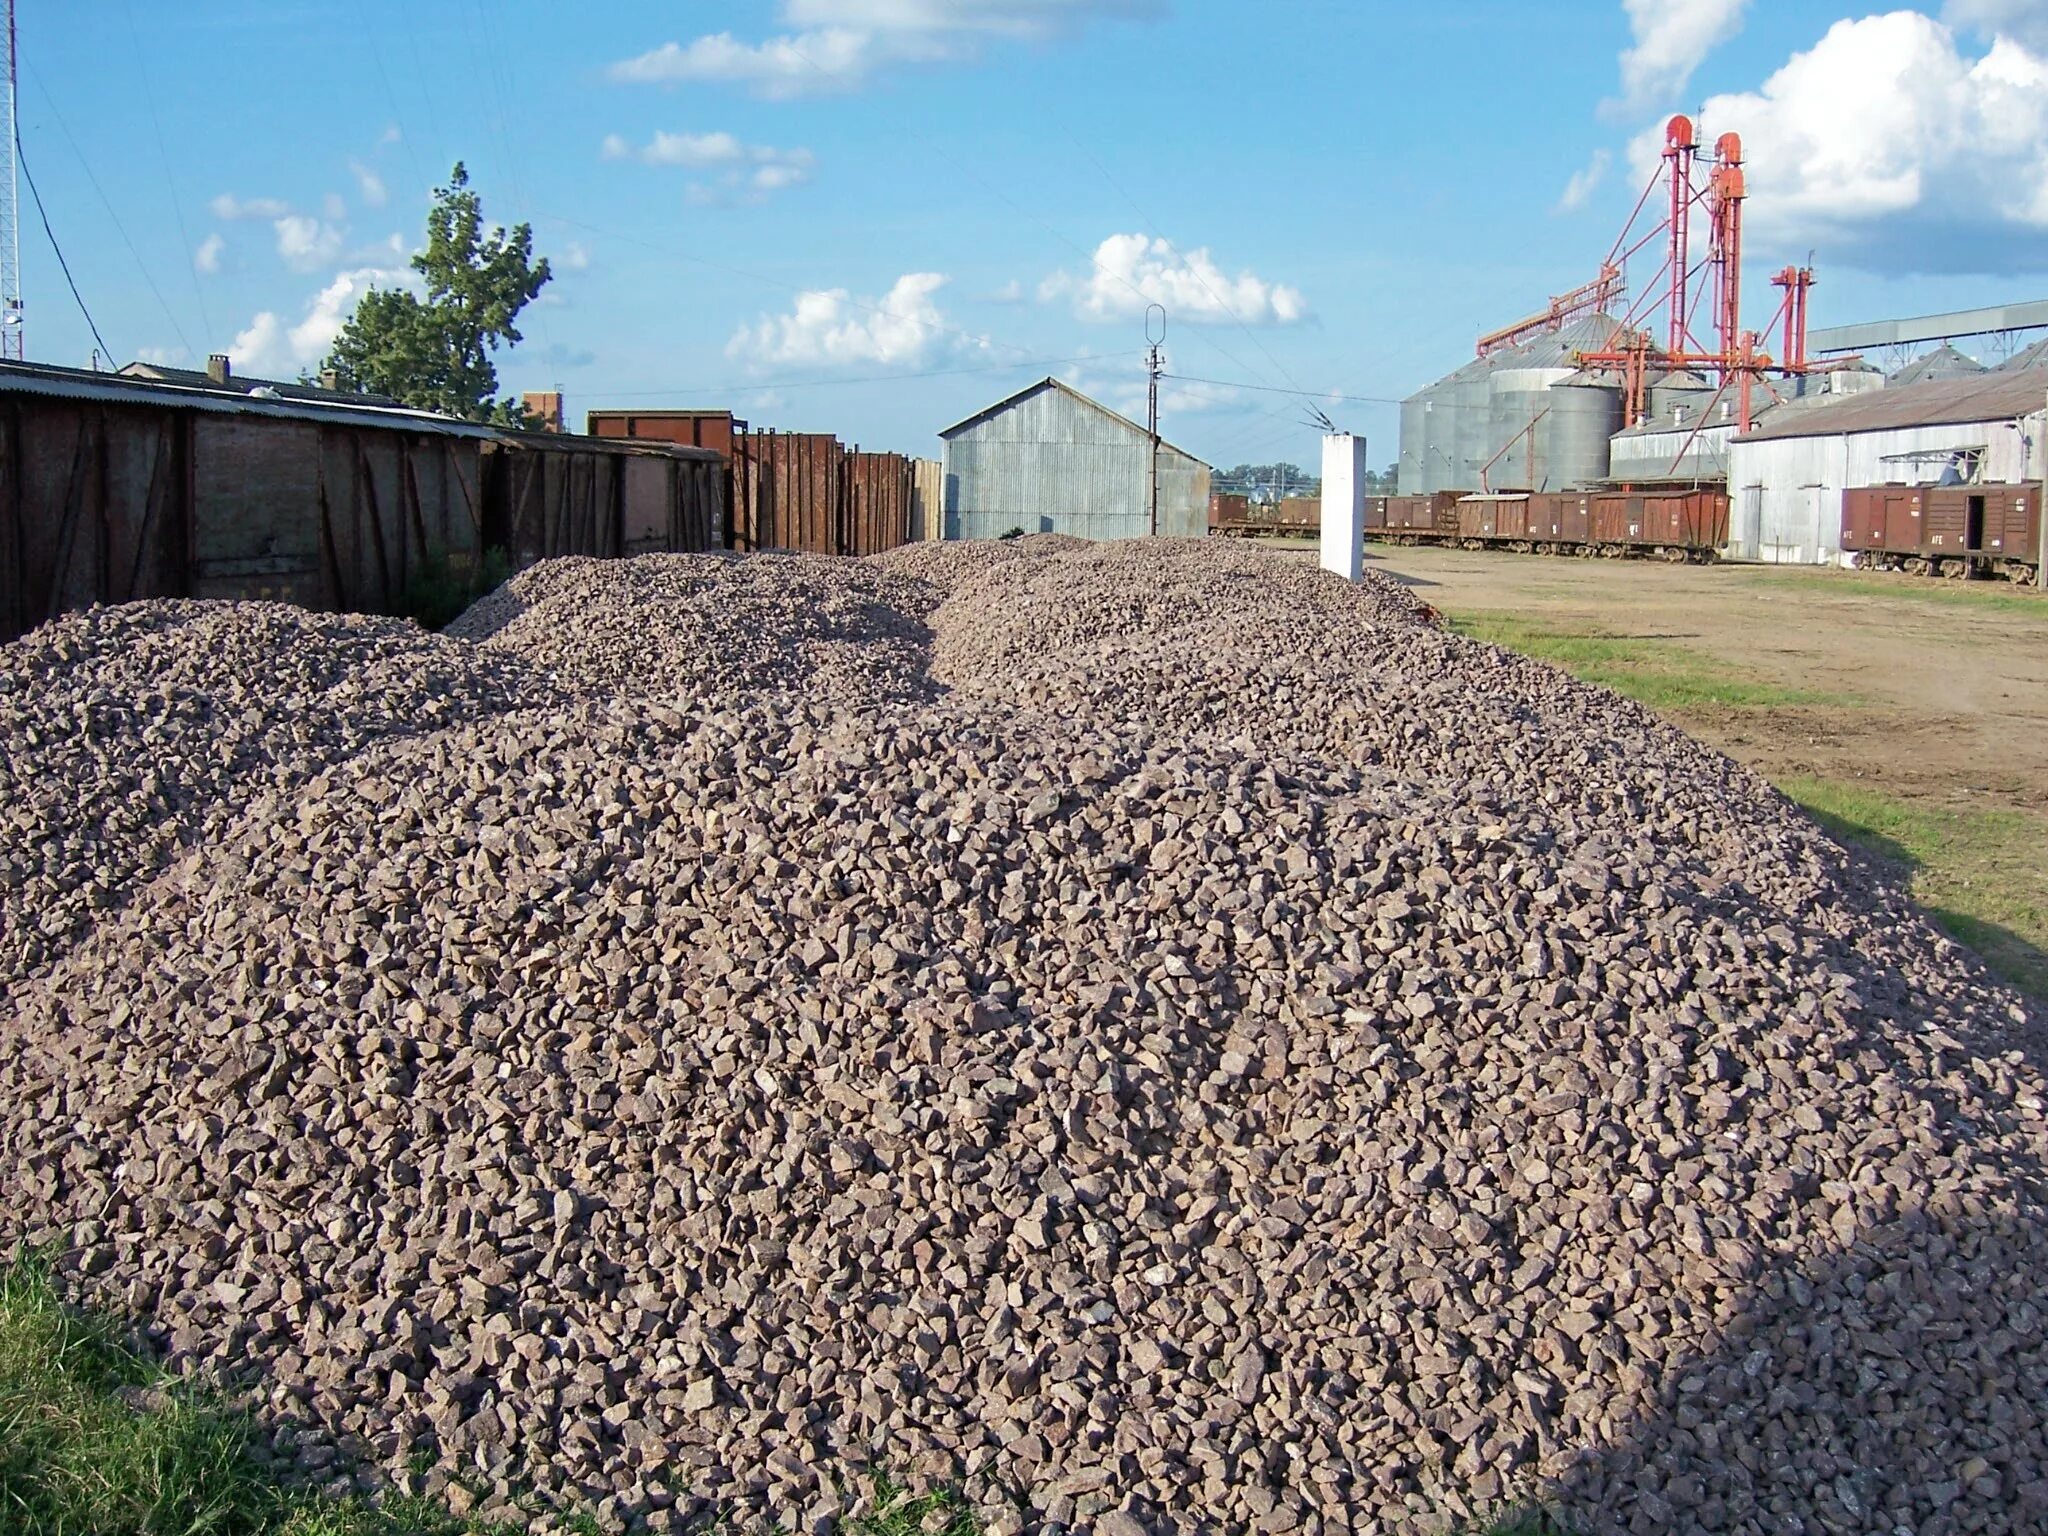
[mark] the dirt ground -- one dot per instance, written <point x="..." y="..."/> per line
<point x="1925" y="689"/>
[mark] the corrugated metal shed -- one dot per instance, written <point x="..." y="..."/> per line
<point x="1786" y="478"/>
<point x="1048" y="459"/>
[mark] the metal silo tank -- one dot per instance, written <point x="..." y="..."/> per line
<point x="1585" y="413"/>
<point x="1417" y="414"/>
<point x="1436" y="432"/>
<point x="1473" y="384"/>
<point x="1517" y="456"/>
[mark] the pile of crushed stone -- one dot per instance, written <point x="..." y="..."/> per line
<point x="1150" y="1034"/>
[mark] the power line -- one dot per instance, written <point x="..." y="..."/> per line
<point x="1274" y="389"/>
<point x="170" y="181"/>
<point x="21" y="159"/>
<point x="120" y="228"/>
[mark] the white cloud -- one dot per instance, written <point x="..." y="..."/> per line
<point x="228" y="206"/>
<point x="839" y="44"/>
<point x="1670" y="38"/>
<point x="575" y="257"/>
<point x="1584" y="182"/>
<point x="1887" y="147"/>
<point x="1011" y="292"/>
<point x="829" y="327"/>
<point x="390" y="135"/>
<point x="1131" y="271"/>
<point x="2025" y="21"/>
<point x="207" y="257"/>
<point x="370" y="185"/>
<point x="164" y="357"/>
<point x="306" y="244"/>
<point x="333" y="207"/>
<point x="749" y="171"/>
<point x="270" y="346"/>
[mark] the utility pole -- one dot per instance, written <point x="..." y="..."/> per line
<point x="11" y="344"/>
<point x="2041" y="518"/>
<point x="1154" y="361"/>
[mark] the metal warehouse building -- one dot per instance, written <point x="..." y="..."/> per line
<point x="1786" y="478"/>
<point x="1050" y="460"/>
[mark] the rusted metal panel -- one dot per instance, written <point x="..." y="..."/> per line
<point x="1299" y="514"/>
<point x="696" y="429"/>
<point x="1575" y="520"/>
<point x="2012" y="528"/>
<point x="1376" y="512"/>
<point x="1617" y="518"/>
<point x="95" y="507"/>
<point x="1477" y="517"/>
<point x="1546" y="518"/>
<point x="1228" y="511"/>
<point x="1863" y="518"/>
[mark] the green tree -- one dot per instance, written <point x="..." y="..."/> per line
<point x="434" y="352"/>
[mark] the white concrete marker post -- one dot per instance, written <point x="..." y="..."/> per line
<point x="1344" y="505"/>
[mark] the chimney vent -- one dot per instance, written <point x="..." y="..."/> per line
<point x="329" y="379"/>
<point x="217" y="367"/>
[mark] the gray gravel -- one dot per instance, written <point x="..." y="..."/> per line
<point x="1145" y="1032"/>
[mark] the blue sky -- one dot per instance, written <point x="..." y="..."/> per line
<point x="874" y="216"/>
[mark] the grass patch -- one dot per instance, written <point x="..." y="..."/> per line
<point x="1981" y="596"/>
<point x="1979" y="873"/>
<point x="1657" y="673"/>
<point x="97" y="1439"/>
<point x="898" y="1512"/>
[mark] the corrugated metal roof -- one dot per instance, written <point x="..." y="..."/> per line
<point x="245" y="383"/>
<point x="114" y="389"/>
<point x="1944" y="362"/>
<point x="1066" y="389"/>
<point x="1995" y="396"/>
<point x="2035" y="356"/>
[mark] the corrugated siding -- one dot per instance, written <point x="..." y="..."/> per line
<point x="1788" y="491"/>
<point x="1051" y="464"/>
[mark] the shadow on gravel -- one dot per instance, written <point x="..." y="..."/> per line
<point x="1811" y="1419"/>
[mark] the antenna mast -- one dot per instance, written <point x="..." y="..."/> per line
<point x="10" y="221"/>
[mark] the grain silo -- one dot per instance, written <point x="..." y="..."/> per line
<point x="1585" y="412"/>
<point x="1442" y="426"/>
<point x="1525" y="415"/>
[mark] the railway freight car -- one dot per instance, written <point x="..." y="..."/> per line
<point x="1235" y="516"/>
<point x="1944" y="530"/>
<point x="1678" y="525"/>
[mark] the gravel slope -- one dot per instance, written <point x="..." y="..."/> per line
<point x="1148" y="1032"/>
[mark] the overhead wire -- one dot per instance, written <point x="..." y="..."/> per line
<point x="21" y="159"/>
<point x="1274" y="389"/>
<point x="170" y="180"/>
<point x="122" y="229"/>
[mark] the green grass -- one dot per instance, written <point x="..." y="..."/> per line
<point x="1981" y="874"/>
<point x="1654" y="672"/>
<point x="898" y="1512"/>
<point x="1981" y="596"/>
<point x="96" y="1439"/>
